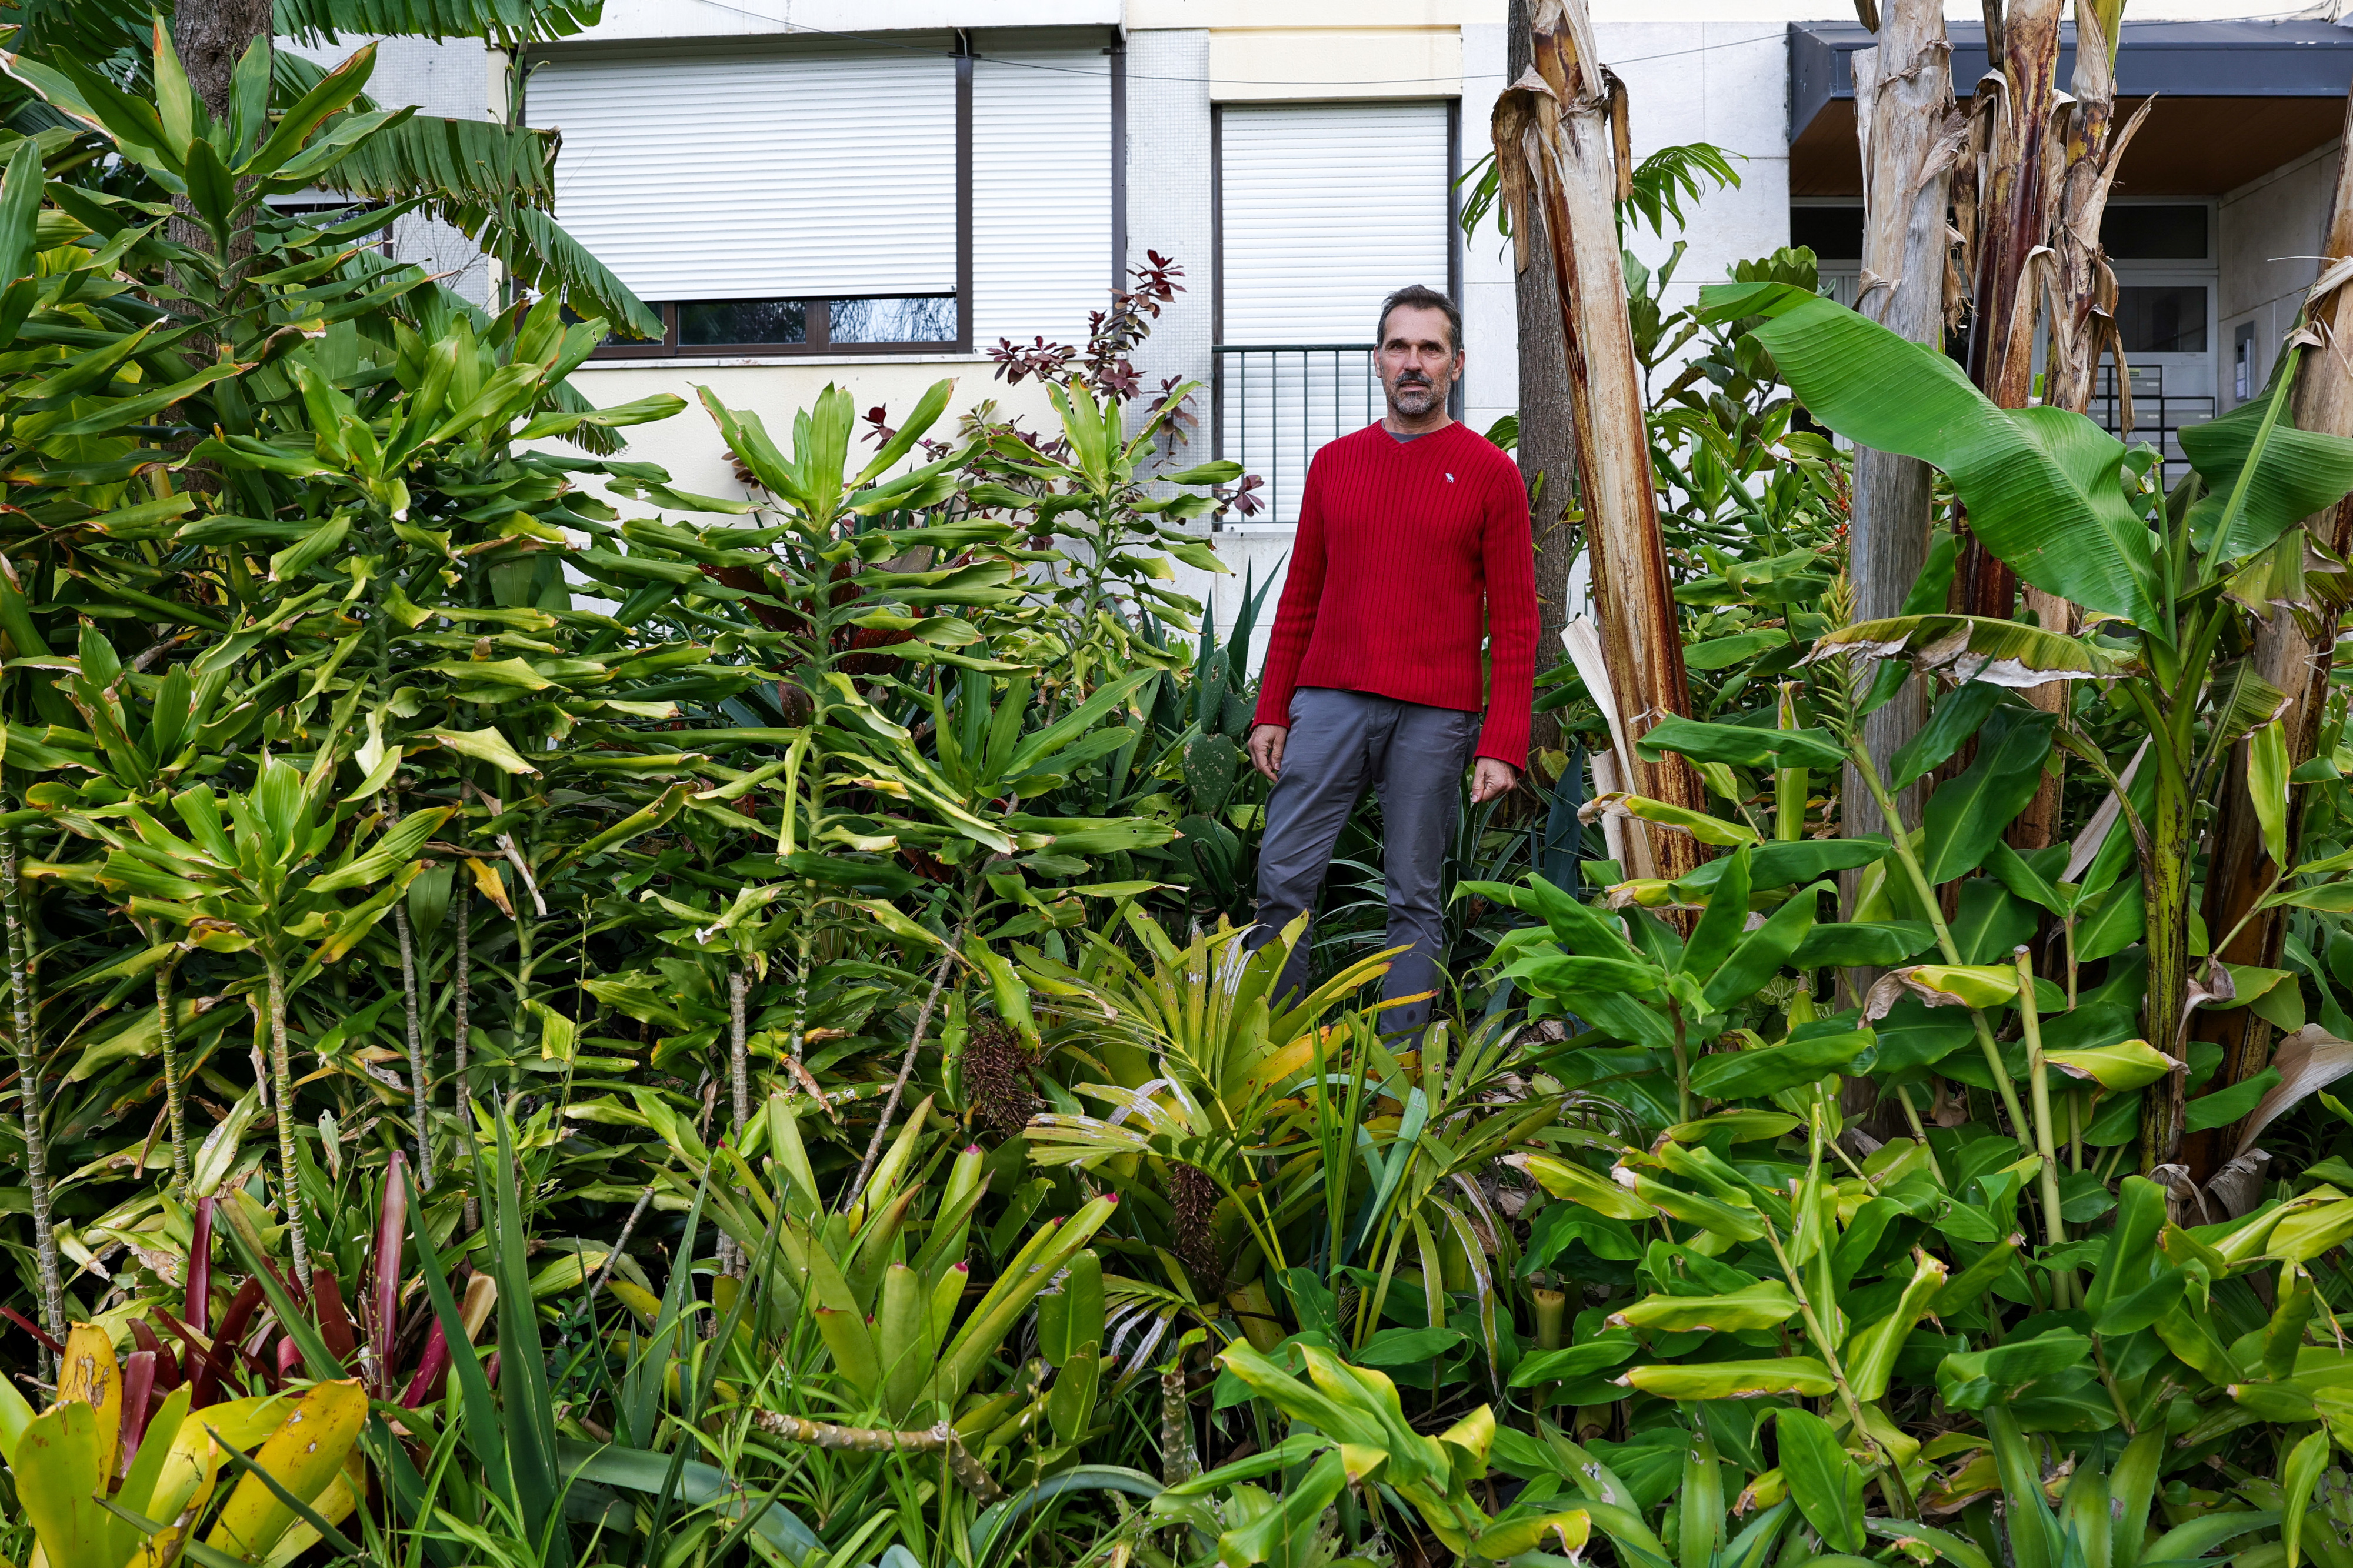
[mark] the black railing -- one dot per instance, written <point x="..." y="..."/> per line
<point x="1273" y="406"/>
<point x="2157" y="415"/>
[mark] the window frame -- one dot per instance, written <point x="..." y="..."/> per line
<point x="818" y="310"/>
<point x="818" y="341"/>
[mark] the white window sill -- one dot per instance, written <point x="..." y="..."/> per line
<point x="753" y="361"/>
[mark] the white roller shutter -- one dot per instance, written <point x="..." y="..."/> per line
<point x="1041" y="218"/>
<point x="1325" y="211"/>
<point x="825" y="174"/>
<point x="1327" y="208"/>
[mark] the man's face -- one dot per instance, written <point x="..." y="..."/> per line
<point x="1415" y="363"/>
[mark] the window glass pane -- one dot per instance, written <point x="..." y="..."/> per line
<point x="745" y="321"/>
<point x="920" y="320"/>
<point x="2168" y="319"/>
<point x="1832" y="234"/>
<point x="2154" y="233"/>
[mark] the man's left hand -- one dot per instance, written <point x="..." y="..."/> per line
<point x="1492" y="778"/>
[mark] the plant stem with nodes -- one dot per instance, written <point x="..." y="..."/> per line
<point x="175" y="1107"/>
<point x="907" y="1063"/>
<point x="462" y="1008"/>
<point x="22" y="1037"/>
<point x="281" y="1091"/>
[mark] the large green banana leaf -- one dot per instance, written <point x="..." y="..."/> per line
<point x="2042" y="486"/>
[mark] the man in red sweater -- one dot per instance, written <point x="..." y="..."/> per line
<point x="1413" y="550"/>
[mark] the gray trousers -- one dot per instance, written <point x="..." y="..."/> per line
<point x="1413" y="757"/>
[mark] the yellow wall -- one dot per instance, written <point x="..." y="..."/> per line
<point x="1271" y="64"/>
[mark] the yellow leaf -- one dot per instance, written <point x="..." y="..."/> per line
<point x="303" y="1456"/>
<point x="89" y="1372"/>
<point x="486" y="878"/>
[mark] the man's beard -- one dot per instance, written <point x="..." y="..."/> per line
<point x="1416" y="398"/>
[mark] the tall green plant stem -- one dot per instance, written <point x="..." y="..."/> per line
<point x="23" y="1035"/>
<point x="739" y="1084"/>
<point x="421" y="1093"/>
<point x="2168" y="701"/>
<point x="2165" y="898"/>
<point x="175" y="1111"/>
<point x="461" y="1022"/>
<point x="1899" y="1496"/>
<point x="2038" y="1081"/>
<point x="1896" y="832"/>
<point x="281" y="1095"/>
<point x="907" y="1062"/>
<point x="1789" y="785"/>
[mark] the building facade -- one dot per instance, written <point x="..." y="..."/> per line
<point x="875" y="193"/>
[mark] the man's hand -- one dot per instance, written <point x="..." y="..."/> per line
<point x="1489" y="779"/>
<point x="1266" y="750"/>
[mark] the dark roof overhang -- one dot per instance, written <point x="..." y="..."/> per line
<point x="2234" y="98"/>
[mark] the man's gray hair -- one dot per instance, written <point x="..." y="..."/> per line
<point x="1421" y="297"/>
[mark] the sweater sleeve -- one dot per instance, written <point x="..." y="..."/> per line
<point x="1508" y="567"/>
<point x="1295" y="614"/>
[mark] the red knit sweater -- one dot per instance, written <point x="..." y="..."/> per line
<point x="1401" y="546"/>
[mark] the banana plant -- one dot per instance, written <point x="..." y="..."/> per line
<point x="2174" y="583"/>
<point x="261" y="872"/>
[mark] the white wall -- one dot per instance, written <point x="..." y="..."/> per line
<point x="447" y="80"/>
<point x="2272" y="229"/>
<point x="1724" y="83"/>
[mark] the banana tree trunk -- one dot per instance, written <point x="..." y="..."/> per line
<point x="23" y="1031"/>
<point x="2012" y="220"/>
<point x="1547" y="444"/>
<point x="2083" y="297"/>
<point x="2239" y="869"/>
<point x="1561" y="149"/>
<point x="1910" y="134"/>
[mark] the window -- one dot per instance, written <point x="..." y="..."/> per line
<point x="1832" y="234"/>
<point x="826" y="197"/>
<point x="1323" y="211"/>
<point x="925" y="323"/>
<point x="736" y="323"/>
<point x="2169" y="232"/>
<point x="2162" y="319"/>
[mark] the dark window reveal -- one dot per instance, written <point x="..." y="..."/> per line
<point x="1832" y="234"/>
<point x="2173" y="233"/>
<point x="794" y="326"/>
<point x="2162" y="319"/>
<point x="742" y="323"/>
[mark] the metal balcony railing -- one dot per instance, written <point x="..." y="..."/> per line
<point x="2157" y="414"/>
<point x="1274" y="404"/>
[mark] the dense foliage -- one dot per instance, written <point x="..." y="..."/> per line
<point x="551" y="1028"/>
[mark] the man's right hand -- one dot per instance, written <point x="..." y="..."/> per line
<point x="1266" y="750"/>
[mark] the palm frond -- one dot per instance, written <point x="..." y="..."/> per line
<point x="469" y="162"/>
<point x="533" y="247"/>
<point x="323" y="21"/>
